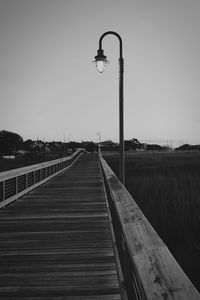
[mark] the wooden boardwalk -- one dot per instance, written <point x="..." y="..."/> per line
<point x="56" y="241"/>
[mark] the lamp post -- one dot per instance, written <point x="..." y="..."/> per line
<point x="99" y="135"/>
<point x="99" y="141"/>
<point x="101" y="62"/>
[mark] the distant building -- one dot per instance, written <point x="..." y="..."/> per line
<point x="132" y="144"/>
<point x="143" y="147"/>
<point x="9" y="157"/>
<point x="20" y="152"/>
<point x="109" y="146"/>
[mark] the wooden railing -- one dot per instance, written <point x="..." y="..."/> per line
<point x="149" y="269"/>
<point x="17" y="182"/>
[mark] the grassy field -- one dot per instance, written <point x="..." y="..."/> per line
<point x="166" y="186"/>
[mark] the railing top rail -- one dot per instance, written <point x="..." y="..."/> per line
<point x="20" y="171"/>
<point x="158" y="272"/>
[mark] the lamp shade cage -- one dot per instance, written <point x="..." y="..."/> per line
<point x="101" y="61"/>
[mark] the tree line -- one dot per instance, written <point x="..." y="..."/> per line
<point x="12" y="143"/>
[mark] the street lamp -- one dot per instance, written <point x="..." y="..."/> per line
<point x="101" y="62"/>
<point x="99" y="142"/>
<point x="99" y="135"/>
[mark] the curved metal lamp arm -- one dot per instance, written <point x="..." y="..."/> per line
<point x="102" y="58"/>
<point x="117" y="35"/>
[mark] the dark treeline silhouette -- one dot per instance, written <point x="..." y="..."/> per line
<point x="9" y="142"/>
<point x="134" y="144"/>
<point x="12" y="144"/>
<point x="187" y="147"/>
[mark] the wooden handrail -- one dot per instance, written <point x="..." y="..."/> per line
<point x="15" y="183"/>
<point x="149" y="269"/>
<point x="20" y="171"/>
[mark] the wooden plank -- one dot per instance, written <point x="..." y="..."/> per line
<point x="88" y="297"/>
<point x="56" y="242"/>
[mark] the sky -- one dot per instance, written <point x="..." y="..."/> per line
<point x="51" y="90"/>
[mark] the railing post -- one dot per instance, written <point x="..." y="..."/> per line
<point x="26" y="180"/>
<point x="16" y="185"/>
<point x="34" y="175"/>
<point x="3" y="190"/>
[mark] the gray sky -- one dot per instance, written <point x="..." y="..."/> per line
<point x="49" y="87"/>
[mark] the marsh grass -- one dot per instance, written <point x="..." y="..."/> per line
<point x="166" y="186"/>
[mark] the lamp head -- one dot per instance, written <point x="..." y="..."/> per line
<point x="101" y="60"/>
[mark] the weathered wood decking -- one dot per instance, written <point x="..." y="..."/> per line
<point x="56" y="242"/>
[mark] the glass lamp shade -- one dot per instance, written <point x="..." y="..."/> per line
<point x="101" y="60"/>
<point x="101" y="64"/>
